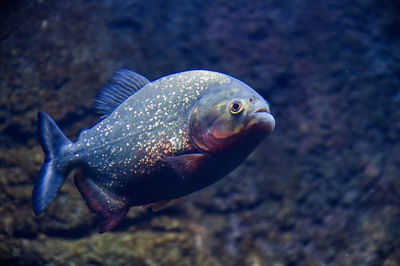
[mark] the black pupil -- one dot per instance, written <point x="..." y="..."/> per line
<point x="235" y="106"/>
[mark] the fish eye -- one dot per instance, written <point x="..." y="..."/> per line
<point x="235" y="107"/>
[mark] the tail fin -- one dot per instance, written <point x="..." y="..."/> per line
<point x="52" y="174"/>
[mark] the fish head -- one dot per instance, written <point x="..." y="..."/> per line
<point x="230" y="117"/>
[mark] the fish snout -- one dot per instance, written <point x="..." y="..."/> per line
<point x="262" y="118"/>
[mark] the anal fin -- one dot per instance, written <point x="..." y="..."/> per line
<point x="112" y="219"/>
<point x="111" y="208"/>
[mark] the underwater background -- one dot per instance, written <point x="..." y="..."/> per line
<point x="323" y="189"/>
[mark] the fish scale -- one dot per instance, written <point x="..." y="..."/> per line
<point x="122" y="132"/>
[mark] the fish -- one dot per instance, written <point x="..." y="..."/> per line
<point x="156" y="141"/>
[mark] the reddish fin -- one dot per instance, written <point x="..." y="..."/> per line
<point x="155" y="207"/>
<point x="110" y="207"/>
<point x="112" y="219"/>
<point x="186" y="164"/>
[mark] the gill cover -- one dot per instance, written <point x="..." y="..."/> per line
<point x="214" y="128"/>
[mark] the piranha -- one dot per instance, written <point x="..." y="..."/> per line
<point x="157" y="141"/>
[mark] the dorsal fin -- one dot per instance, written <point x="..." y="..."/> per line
<point x="123" y="83"/>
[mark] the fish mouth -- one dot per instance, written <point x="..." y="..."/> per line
<point x="262" y="119"/>
<point x="261" y="110"/>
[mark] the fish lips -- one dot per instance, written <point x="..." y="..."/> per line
<point x="262" y="120"/>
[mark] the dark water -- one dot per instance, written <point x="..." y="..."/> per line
<point x="323" y="189"/>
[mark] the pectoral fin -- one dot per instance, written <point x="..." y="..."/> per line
<point x="186" y="164"/>
<point x="111" y="208"/>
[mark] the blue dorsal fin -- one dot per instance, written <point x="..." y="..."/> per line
<point x="123" y="83"/>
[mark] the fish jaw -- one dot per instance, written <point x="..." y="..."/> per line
<point x="261" y="120"/>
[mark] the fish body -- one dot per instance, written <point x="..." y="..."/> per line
<point x="158" y="141"/>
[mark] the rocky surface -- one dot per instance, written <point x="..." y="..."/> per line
<point x="324" y="189"/>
